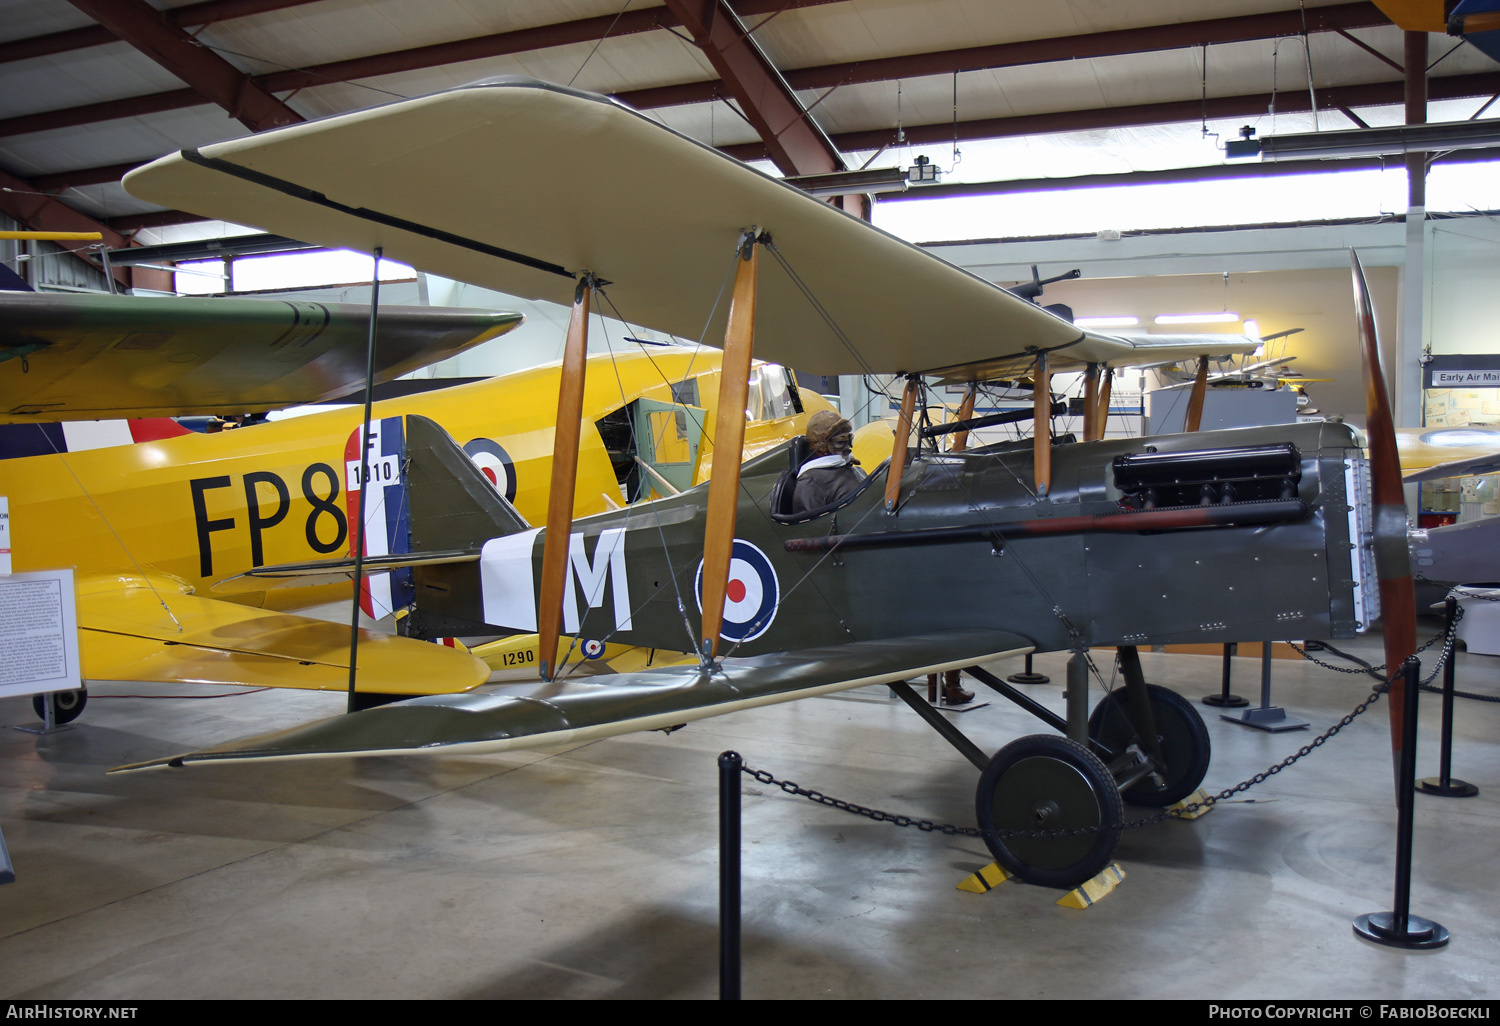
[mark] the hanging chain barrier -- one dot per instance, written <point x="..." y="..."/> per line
<point x="1189" y="810"/>
<point x="1449" y="634"/>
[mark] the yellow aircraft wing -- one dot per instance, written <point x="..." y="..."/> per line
<point x="146" y="628"/>
<point x="579" y="182"/>
<point x="1421" y="448"/>
<point x="86" y="357"/>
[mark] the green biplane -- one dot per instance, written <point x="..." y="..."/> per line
<point x="1054" y="544"/>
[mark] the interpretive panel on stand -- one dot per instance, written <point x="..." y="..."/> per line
<point x="38" y="634"/>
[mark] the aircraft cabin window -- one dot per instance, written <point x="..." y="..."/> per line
<point x="769" y="393"/>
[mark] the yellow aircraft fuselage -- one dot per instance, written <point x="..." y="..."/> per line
<point x="203" y="507"/>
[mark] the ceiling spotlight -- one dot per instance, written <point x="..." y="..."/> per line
<point x="922" y="172"/>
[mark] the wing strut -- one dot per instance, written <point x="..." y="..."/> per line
<point x="1041" y="425"/>
<point x="564" y="476"/>
<point x="1091" y="403"/>
<point x="903" y="437"/>
<point x="1101" y="418"/>
<point x="965" y="411"/>
<point x="729" y="442"/>
<point x="1195" y="401"/>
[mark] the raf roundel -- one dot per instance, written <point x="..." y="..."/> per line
<point x="751" y="597"/>
<point x="496" y="465"/>
<point x="592" y="649"/>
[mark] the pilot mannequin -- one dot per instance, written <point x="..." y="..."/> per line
<point x="831" y="472"/>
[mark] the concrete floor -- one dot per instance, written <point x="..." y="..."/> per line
<point x="592" y="871"/>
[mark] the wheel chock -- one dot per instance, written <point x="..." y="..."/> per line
<point x="989" y="877"/>
<point x="1199" y="796"/>
<point x="1090" y="891"/>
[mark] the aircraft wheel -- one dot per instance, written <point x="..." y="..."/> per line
<point x="1046" y="782"/>
<point x="1180" y="732"/>
<point x="67" y="706"/>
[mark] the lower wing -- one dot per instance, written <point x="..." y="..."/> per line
<point x="146" y="628"/>
<point x="648" y="700"/>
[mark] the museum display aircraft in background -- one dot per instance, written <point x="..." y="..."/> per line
<point x="1252" y="534"/>
<point x="153" y="515"/>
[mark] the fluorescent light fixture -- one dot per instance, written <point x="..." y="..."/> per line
<point x="1368" y="142"/>
<point x="1252" y="327"/>
<point x="1105" y="322"/>
<point x="1197" y="318"/>
<point x="842" y="183"/>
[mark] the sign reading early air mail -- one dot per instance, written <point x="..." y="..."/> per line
<point x="38" y="634"/>
<point x="1473" y="371"/>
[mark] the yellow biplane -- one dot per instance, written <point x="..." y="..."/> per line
<point x="153" y="516"/>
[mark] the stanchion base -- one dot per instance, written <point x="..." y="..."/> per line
<point x="1029" y="678"/>
<point x="56" y="729"/>
<point x="1419" y="932"/>
<point x="1225" y="701"/>
<point x="1272" y="719"/>
<point x="1452" y="789"/>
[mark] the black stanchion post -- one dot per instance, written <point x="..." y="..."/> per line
<point x="1224" y="700"/>
<point x="730" y="765"/>
<point x="1399" y="928"/>
<point x="1028" y="676"/>
<point x="1443" y="784"/>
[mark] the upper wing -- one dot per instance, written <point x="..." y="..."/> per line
<point x="648" y="700"/>
<point x="86" y="357"/>
<point x="126" y="634"/>
<point x="516" y="185"/>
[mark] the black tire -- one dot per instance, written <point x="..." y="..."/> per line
<point x="67" y="706"/>
<point x="1046" y="782"/>
<point x="1180" y="732"/>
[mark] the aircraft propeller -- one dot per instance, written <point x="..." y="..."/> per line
<point x="1398" y="601"/>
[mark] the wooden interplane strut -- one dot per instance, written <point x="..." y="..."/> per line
<point x="1105" y="388"/>
<point x="729" y="443"/>
<point x="564" y="478"/>
<point x="965" y="411"/>
<point x="1091" y="403"/>
<point x="898" y="447"/>
<point x="1041" y="428"/>
<point x="1195" y="401"/>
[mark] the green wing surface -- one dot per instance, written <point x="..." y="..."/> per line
<point x="649" y="700"/>
<point x="86" y="357"/>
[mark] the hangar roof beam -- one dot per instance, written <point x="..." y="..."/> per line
<point x="211" y="76"/>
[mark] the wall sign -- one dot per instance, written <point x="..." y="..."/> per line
<point x="1481" y="370"/>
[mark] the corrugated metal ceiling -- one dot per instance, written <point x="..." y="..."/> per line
<point x="316" y="33"/>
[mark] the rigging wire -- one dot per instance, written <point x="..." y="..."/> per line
<point x="600" y="43"/>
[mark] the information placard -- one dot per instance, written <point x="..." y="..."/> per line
<point x="38" y="634"/>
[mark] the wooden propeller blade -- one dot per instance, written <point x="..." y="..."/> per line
<point x="1195" y="401"/>
<point x="729" y="444"/>
<point x="564" y="477"/>
<point x="965" y="411"/>
<point x="898" y="447"/>
<point x="1398" y="603"/>
<point x="1041" y="425"/>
